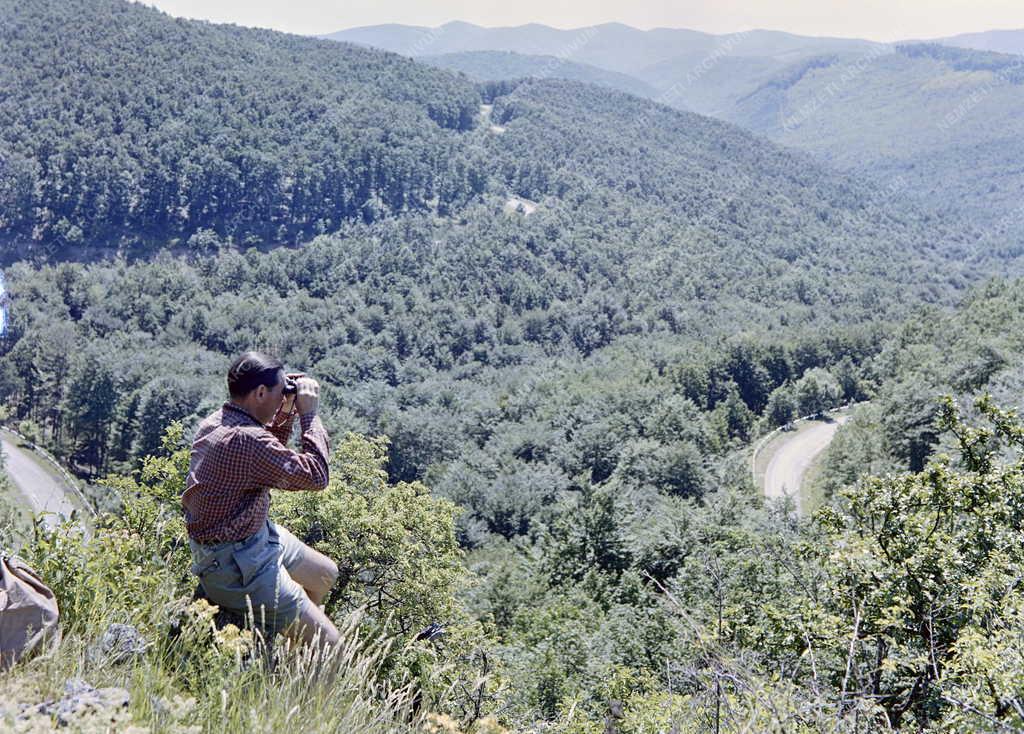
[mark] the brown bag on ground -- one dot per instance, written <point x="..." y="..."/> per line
<point x="28" y="611"/>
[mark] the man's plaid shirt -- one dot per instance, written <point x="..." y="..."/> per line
<point x="236" y="461"/>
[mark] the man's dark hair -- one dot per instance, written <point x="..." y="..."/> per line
<point x="251" y="370"/>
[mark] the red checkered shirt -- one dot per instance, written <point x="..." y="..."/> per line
<point x="235" y="462"/>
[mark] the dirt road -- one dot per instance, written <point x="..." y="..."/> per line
<point x="791" y="461"/>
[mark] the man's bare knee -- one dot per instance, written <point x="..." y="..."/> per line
<point x="324" y="574"/>
<point x="331" y="574"/>
<point x="316" y="573"/>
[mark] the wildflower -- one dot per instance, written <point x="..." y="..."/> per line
<point x="203" y="610"/>
<point x="234" y="641"/>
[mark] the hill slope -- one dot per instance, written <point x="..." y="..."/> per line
<point x="711" y="178"/>
<point x="942" y="124"/>
<point x="129" y="123"/>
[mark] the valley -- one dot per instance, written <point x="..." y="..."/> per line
<point x="555" y="285"/>
<point x="936" y="124"/>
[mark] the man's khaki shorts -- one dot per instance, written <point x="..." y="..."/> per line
<point x="250" y="576"/>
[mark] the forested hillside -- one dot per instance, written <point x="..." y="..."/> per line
<point x="940" y="124"/>
<point x="119" y="125"/>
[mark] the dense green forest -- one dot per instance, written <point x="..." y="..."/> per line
<point x="141" y="127"/>
<point x="566" y="397"/>
<point x="431" y="331"/>
<point x="95" y="352"/>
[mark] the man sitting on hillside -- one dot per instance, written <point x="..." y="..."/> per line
<point x="243" y="560"/>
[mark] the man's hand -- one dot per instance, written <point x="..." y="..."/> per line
<point x="308" y="398"/>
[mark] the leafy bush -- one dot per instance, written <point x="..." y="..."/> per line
<point x="926" y="572"/>
<point x="394" y="543"/>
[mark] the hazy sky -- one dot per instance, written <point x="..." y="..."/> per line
<point x="883" y="20"/>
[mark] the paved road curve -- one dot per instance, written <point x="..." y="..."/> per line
<point x="3" y="305"/>
<point x="790" y="463"/>
<point x="41" y="490"/>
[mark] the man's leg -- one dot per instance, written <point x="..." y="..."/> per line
<point x="313" y="624"/>
<point x="314" y="572"/>
<point x="311" y="569"/>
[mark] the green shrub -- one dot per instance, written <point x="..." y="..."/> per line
<point x="394" y="544"/>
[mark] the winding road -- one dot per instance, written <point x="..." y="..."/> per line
<point x="40" y="490"/>
<point x="786" y="470"/>
<point x="3" y="305"/>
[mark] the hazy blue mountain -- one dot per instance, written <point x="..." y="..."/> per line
<point x="611" y="46"/>
<point x="496" y="65"/>
<point x="945" y="124"/>
<point x="1007" y="42"/>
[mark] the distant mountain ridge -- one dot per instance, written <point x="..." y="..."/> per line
<point x="536" y="38"/>
<point x="1000" y="41"/>
<point x="497" y="65"/>
<point x="611" y="46"/>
